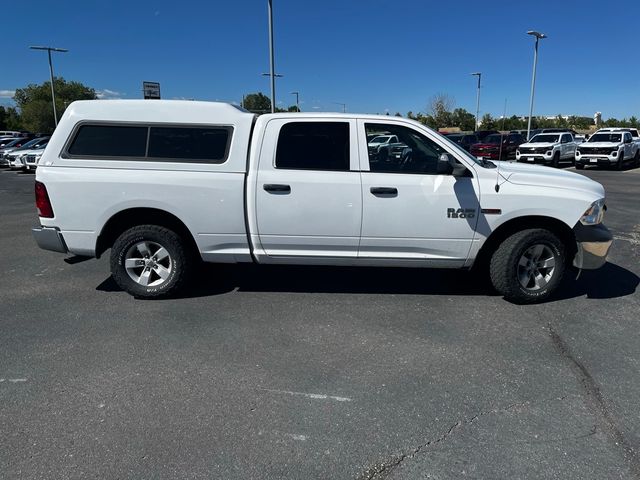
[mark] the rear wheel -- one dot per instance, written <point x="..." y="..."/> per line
<point x="579" y="166"/>
<point x="636" y="159"/>
<point x="527" y="266"/>
<point x="150" y="261"/>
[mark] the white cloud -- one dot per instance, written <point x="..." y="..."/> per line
<point x="7" y="93"/>
<point x="107" y="94"/>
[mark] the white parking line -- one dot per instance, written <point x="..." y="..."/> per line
<point x="13" y="380"/>
<point x="315" y="396"/>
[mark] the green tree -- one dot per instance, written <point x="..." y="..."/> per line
<point x="34" y="102"/>
<point x="293" y="108"/>
<point x="488" y="122"/>
<point x="462" y="119"/>
<point x="10" y="119"/>
<point x="257" y="103"/>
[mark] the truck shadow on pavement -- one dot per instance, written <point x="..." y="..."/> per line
<point x="610" y="281"/>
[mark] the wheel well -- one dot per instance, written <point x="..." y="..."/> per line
<point x="132" y="217"/>
<point x="561" y="229"/>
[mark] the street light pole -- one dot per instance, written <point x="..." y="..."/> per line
<point x="538" y="36"/>
<point x="272" y="60"/>
<point x="344" y="106"/>
<point x="479" y="75"/>
<point x="297" y="100"/>
<point x="53" y="94"/>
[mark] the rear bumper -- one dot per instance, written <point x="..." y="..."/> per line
<point x="49" y="239"/>
<point x="593" y="242"/>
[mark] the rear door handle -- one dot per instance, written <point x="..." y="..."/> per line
<point x="384" y="191"/>
<point x="277" y="188"/>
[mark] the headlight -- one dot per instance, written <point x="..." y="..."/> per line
<point x="594" y="214"/>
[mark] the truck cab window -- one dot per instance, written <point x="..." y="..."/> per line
<point x="313" y="146"/>
<point x="411" y="152"/>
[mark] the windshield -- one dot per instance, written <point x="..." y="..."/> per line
<point x="494" y="139"/>
<point x="606" y="137"/>
<point x="545" y="139"/>
<point x="30" y="143"/>
<point x="380" y="139"/>
<point x="14" y="142"/>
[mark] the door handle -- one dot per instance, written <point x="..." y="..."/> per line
<point x="277" y="188"/>
<point x="384" y="191"/>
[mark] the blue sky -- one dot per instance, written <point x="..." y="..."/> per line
<point x="374" y="55"/>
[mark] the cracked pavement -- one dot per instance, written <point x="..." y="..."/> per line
<point x="300" y="372"/>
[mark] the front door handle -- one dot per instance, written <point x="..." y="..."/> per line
<point x="384" y="191"/>
<point x="277" y="188"/>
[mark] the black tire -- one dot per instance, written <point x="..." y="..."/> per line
<point x="620" y="164"/>
<point x="556" y="160"/>
<point x="636" y="159"/>
<point x="579" y="166"/>
<point x="505" y="267"/>
<point x="179" y="264"/>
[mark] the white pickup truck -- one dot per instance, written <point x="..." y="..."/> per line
<point x="548" y="148"/>
<point x="608" y="148"/>
<point x="164" y="184"/>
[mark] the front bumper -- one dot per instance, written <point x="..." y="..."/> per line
<point x="599" y="160"/>
<point x="534" y="158"/>
<point x="593" y="242"/>
<point x="49" y="239"/>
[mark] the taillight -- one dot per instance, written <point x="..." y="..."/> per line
<point x="43" y="203"/>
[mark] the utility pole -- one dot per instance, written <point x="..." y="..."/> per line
<point x="53" y="94"/>
<point x="272" y="59"/>
<point x="479" y="75"/>
<point x="297" y="100"/>
<point x="538" y="36"/>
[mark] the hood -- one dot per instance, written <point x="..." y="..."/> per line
<point x="537" y="145"/>
<point x="600" y="144"/>
<point x="525" y="174"/>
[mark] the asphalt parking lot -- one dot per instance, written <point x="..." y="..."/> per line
<point x="329" y="373"/>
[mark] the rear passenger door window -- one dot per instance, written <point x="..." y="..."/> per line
<point x="313" y="146"/>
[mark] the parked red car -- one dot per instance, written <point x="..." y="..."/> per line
<point x="498" y="147"/>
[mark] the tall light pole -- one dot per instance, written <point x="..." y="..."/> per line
<point x="479" y="75"/>
<point x="344" y="106"/>
<point x="273" y="76"/>
<point x="297" y="100"/>
<point x="272" y="59"/>
<point x="53" y="95"/>
<point x="538" y="36"/>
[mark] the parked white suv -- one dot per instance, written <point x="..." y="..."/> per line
<point x="608" y="148"/>
<point x="548" y="148"/>
<point x="166" y="183"/>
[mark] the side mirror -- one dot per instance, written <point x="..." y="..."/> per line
<point x="628" y="140"/>
<point x="448" y="165"/>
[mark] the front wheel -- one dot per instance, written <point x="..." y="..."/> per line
<point x="556" y="160"/>
<point x="150" y="261"/>
<point x="620" y="164"/>
<point x="527" y="266"/>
